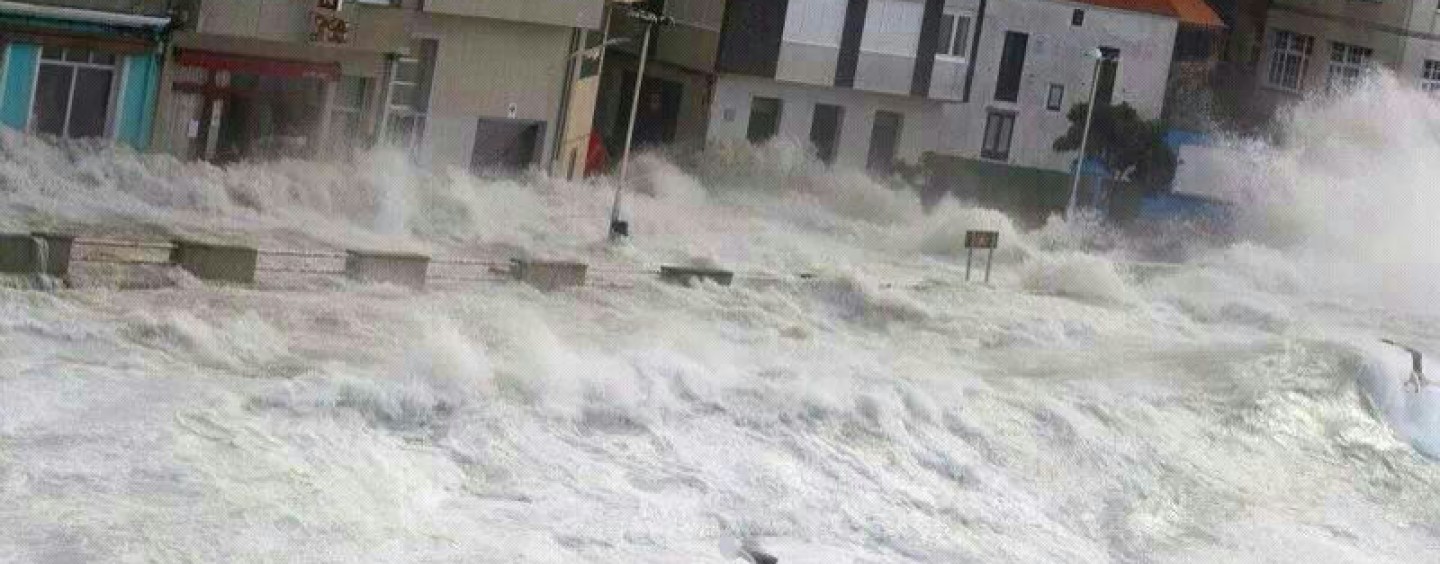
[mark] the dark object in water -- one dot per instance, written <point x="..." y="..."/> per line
<point x="619" y="229"/>
<point x="760" y="557"/>
<point x="1417" y="378"/>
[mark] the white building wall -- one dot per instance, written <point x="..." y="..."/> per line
<point x="730" y="116"/>
<point x="1057" y="55"/>
<point x="485" y="67"/>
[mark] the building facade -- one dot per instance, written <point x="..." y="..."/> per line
<point x="478" y="85"/>
<point x="250" y="79"/>
<point x="82" y="69"/>
<point x="502" y="90"/>
<point x="675" y="98"/>
<point x="862" y="81"/>
<point x="1327" y="44"/>
<point x="1034" y="63"/>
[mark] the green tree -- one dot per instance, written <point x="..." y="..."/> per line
<point x="1130" y="147"/>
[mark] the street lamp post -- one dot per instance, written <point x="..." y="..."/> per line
<point x="619" y="228"/>
<point x="1100" y="59"/>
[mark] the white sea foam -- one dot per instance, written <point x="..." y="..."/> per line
<point x="1080" y="408"/>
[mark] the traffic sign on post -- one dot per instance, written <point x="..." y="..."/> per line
<point x="987" y="240"/>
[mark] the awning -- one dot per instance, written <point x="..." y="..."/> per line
<point x="259" y="65"/>
<point x="1197" y="13"/>
<point x="83" y="15"/>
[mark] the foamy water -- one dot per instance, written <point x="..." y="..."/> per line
<point x="1078" y="409"/>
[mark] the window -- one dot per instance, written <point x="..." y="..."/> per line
<point x="892" y="27"/>
<point x="1056" y="98"/>
<point x="954" y="35"/>
<point x="884" y="142"/>
<point x="1109" y="76"/>
<point x="1077" y="18"/>
<point x="410" y="94"/>
<point x="825" y="131"/>
<point x="1430" y="77"/>
<point x="764" y="119"/>
<point x="812" y="22"/>
<point x="999" y="127"/>
<point x="1012" y="62"/>
<point x="72" y="92"/>
<point x="1347" y="62"/>
<point x="1289" y="59"/>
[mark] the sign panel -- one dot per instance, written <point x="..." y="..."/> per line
<point x="982" y="239"/>
<point x="330" y="28"/>
<point x="332" y="5"/>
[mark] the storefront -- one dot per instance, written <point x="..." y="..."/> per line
<point x="242" y="107"/>
<point x="73" y="73"/>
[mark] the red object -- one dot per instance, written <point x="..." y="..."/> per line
<point x="259" y="65"/>
<point x="1197" y="13"/>
<point x="597" y="159"/>
<point x="1189" y="12"/>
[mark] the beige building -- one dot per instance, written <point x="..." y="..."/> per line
<point x="482" y="85"/>
<point x="1317" y="44"/>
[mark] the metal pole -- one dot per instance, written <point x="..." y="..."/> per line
<point x="1084" y="140"/>
<point x="989" y="259"/>
<point x="630" y="133"/>
<point x="969" y="255"/>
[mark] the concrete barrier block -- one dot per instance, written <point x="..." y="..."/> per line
<point x="59" y="246"/>
<point x="549" y="276"/>
<point x="221" y="263"/>
<point x="20" y="254"/>
<point x="404" y="269"/>
<point x="686" y="276"/>
<point x="37" y="253"/>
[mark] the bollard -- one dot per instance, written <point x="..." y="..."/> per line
<point x="686" y="276"/>
<point x="403" y="269"/>
<point x="549" y="276"/>
<point x="217" y="263"/>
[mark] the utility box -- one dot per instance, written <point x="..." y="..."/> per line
<point x="549" y="276"/>
<point x="218" y="263"/>
<point x="686" y="276"/>
<point x="402" y="269"/>
<point x="38" y="253"/>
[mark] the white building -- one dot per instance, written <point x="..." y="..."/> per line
<point x="1318" y="44"/>
<point x="1032" y="67"/>
<point x="863" y="81"/>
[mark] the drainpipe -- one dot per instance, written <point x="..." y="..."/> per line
<point x="567" y="92"/>
<point x="974" y="50"/>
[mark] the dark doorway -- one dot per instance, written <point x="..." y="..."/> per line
<point x="657" y="116"/>
<point x="1012" y="65"/>
<point x="884" y="141"/>
<point x="764" y="119"/>
<point x="1109" y="71"/>
<point x="505" y="146"/>
<point x="825" y="131"/>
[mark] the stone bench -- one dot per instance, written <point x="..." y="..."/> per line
<point x="215" y="262"/>
<point x="36" y="253"/>
<point x="687" y="276"/>
<point x="549" y="276"/>
<point x="402" y="269"/>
